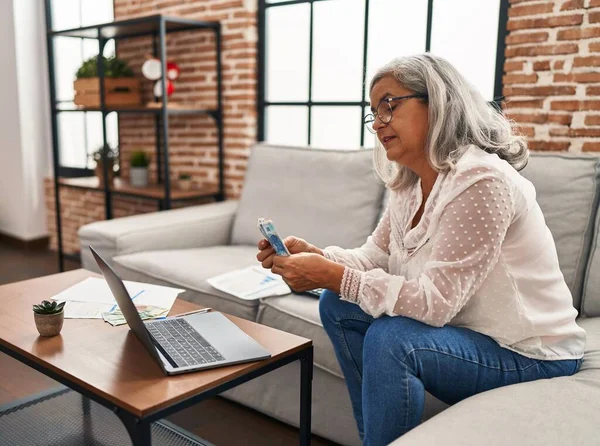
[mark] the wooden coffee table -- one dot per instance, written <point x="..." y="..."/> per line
<point x="110" y="366"/>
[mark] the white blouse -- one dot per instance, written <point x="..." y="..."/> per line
<point x="481" y="257"/>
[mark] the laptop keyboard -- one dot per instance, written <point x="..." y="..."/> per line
<point x="183" y="343"/>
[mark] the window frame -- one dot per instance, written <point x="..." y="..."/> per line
<point x="262" y="103"/>
<point x="63" y="170"/>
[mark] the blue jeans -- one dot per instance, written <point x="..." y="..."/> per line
<point x="390" y="362"/>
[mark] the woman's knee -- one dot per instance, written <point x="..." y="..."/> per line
<point x="328" y="303"/>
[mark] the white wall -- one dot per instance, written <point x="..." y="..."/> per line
<point x="25" y="142"/>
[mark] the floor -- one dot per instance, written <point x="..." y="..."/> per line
<point x="217" y="420"/>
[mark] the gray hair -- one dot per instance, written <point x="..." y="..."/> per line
<point x="459" y="116"/>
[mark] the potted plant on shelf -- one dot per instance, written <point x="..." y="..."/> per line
<point x="139" y="163"/>
<point x="108" y="153"/>
<point x="185" y="181"/>
<point x="49" y="317"/>
<point x="120" y="87"/>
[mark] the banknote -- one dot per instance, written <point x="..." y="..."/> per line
<point x="267" y="228"/>
<point x="115" y="317"/>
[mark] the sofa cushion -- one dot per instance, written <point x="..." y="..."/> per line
<point x="547" y="412"/>
<point x="590" y="301"/>
<point x="189" y="269"/>
<point x="328" y="197"/>
<point x="298" y="313"/>
<point x="567" y="192"/>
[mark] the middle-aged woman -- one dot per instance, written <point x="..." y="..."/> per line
<point x="458" y="290"/>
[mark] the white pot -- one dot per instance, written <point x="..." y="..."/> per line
<point x="139" y="176"/>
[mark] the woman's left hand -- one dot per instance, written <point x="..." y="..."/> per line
<point x="307" y="271"/>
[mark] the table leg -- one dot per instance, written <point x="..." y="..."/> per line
<point x="87" y="418"/>
<point x="139" y="430"/>
<point x="306" y="372"/>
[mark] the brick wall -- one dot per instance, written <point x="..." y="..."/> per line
<point x="192" y="139"/>
<point x="552" y="76"/>
<point x="551" y="82"/>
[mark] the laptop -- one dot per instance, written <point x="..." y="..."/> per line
<point x="187" y="343"/>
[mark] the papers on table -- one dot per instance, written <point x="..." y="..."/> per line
<point x="85" y="310"/>
<point x="92" y="297"/>
<point x="250" y="283"/>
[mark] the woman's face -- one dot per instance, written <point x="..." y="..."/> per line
<point x="404" y="136"/>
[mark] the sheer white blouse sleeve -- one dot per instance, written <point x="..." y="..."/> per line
<point x="470" y="224"/>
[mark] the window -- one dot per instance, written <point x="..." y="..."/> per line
<point x="79" y="132"/>
<point x="316" y="59"/>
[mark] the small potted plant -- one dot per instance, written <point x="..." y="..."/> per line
<point x="49" y="317"/>
<point x="185" y="181"/>
<point x="108" y="153"/>
<point x="139" y="163"/>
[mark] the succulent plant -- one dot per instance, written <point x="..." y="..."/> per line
<point x="47" y="307"/>
<point x="185" y="176"/>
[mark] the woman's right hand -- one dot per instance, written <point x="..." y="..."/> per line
<point x="294" y="245"/>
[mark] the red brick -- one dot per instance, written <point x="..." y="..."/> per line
<point x="244" y="15"/>
<point x="529" y="118"/>
<point x="593" y="90"/>
<point x="592" y="120"/>
<point x="575" y="105"/>
<point x="560" y="119"/>
<point x="533" y="103"/>
<point x="572" y="4"/>
<point x="594" y="47"/>
<point x="582" y="78"/>
<point x="594" y="17"/>
<point x="589" y="61"/>
<point x="515" y="39"/>
<point x="585" y="132"/>
<point x="542" y="50"/>
<point x="541" y="65"/>
<point x="524" y="10"/>
<point x="562" y="131"/>
<point x="540" y="118"/>
<point x="594" y="3"/>
<point x="513" y="66"/>
<point x="578" y="33"/>
<point x="227" y="5"/>
<point x="520" y="78"/>
<point x="549" y="90"/>
<point x="525" y="131"/>
<point x="591" y="147"/>
<point x="549" y="145"/>
<point x="550" y="22"/>
<point x="558" y="65"/>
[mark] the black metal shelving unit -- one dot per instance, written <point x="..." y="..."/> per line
<point x="157" y="26"/>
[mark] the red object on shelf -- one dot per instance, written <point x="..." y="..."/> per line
<point x="158" y="88"/>
<point x="173" y="71"/>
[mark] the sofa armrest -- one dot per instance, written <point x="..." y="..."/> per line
<point x="547" y="412"/>
<point x="190" y="227"/>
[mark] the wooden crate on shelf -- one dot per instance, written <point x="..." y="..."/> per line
<point x="117" y="91"/>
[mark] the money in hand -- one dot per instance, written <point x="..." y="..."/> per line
<point x="267" y="228"/>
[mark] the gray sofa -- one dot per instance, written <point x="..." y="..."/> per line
<point x="333" y="198"/>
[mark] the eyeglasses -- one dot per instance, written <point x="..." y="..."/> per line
<point x="384" y="111"/>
